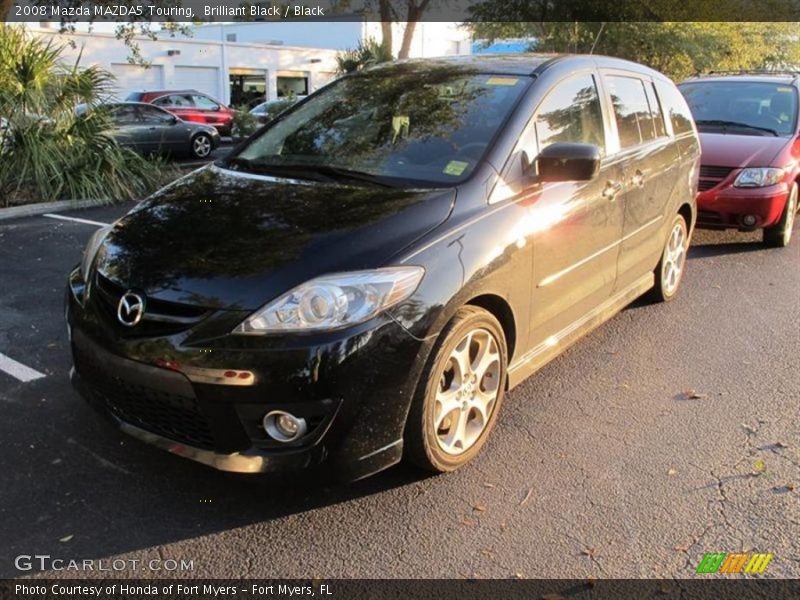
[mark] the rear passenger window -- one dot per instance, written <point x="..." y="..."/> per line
<point x="571" y="113"/>
<point x="632" y="111"/>
<point x="675" y="107"/>
<point x="125" y="115"/>
<point x="176" y="101"/>
<point x="655" y="110"/>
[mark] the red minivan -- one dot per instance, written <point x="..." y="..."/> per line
<point x="748" y="126"/>
<point x="189" y="105"/>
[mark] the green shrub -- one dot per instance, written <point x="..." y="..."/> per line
<point x="49" y="153"/>
<point x="243" y="124"/>
<point x="368" y="52"/>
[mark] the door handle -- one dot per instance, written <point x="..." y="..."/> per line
<point x="612" y="189"/>
<point x="638" y="178"/>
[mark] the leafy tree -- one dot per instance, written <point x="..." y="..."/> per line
<point x="636" y="32"/>
<point x="392" y="11"/>
<point x="47" y="152"/>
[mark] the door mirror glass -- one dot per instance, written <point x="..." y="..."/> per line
<point x="567" y="162"/>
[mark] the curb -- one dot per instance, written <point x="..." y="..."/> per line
<point x="30" y="210"/>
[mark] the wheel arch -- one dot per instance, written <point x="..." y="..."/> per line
<point x="687" y="211"/>
<point x="501" y="310"/>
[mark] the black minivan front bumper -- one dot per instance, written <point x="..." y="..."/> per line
<point x="354" y="390"/>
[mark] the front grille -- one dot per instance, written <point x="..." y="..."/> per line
<point x="715" y="172"/>
<point x="709" y="218"/>
<point x="160" y="317"/>
<point x="172" y="416"/>
<point x="711" y="176"/>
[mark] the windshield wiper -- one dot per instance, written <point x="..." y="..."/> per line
<point x="722" y="123"/>
<point x="342" y="173"/>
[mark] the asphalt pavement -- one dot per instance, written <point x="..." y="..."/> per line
<point x="670" y="432"/>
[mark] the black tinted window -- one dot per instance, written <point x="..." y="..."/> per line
<point x="571" y="113"/>
<point x="632" y="111"/>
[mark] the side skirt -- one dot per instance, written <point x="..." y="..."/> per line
<point x="546" y="351"/>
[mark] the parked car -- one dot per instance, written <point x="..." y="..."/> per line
<point x="152" y="130"/>
<point x="748" y="126"/>
<point x="266" y="111"/>
<point x="190" y="105"/>
<point x="368" y="275"/>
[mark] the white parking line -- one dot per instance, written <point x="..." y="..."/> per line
<point x="76" y="219"/>
<point x="18" y="370"/>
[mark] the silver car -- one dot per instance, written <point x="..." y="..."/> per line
<point x="152" y="130"/>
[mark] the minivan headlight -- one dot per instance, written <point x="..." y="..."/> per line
<point x="90" y="251"/>
<point x="334" y="301"/>
<point x="759" y="177"/>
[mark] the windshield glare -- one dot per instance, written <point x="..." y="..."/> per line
<point x="750" y="108"/>
<point x="432" y="127"/>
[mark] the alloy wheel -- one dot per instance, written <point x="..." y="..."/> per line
<point x="201" y="146"/>
<point x="674" y="258"/>
<point x="467" y="392"/>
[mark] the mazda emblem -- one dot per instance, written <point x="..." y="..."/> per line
<point x="130" y="309"/>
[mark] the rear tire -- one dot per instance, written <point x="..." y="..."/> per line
<point x="459" y="394"/>
<point x="780" y="234"/>
<point x="669" y="272"/>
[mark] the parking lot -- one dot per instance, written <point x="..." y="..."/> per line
<point x="672" y="431"/>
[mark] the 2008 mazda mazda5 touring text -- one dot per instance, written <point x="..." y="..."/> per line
<point x="366" y="277"/>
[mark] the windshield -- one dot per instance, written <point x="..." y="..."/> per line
<point x="742" y="107"/>
<point x="430" y="127"/>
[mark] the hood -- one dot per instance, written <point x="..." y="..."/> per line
<point x="739" y="151"/>
<point x="224" y="239"/>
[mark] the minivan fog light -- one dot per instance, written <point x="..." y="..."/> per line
<point x="284" y="427"/>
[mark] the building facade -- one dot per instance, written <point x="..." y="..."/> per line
<point x="241" y="63"/>
<point x="223" y="70"/>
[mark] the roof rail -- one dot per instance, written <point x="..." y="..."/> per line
<point x="792" y="72"/>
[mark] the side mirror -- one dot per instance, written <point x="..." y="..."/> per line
<point x="174" y="120"/>
<point x="568" y="162"/>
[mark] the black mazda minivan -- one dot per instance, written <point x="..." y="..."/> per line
<point x="366" y="276"/>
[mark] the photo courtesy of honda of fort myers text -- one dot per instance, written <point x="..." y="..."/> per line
<point x="399" y="298"/>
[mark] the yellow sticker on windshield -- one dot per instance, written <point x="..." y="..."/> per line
<point x="502" y="81"/>
<point x="455" y="167"/>
<point x="785" y="89"/>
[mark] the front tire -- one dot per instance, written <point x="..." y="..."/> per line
<point x="201" y="145"/>
<point x="669" y="272"/>
<point x="460" y="393"/>
<point x="780" y="235"/>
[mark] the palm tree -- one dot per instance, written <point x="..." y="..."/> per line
<point x="47" y="152"/>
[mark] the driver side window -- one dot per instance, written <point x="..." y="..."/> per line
<point x="571" y="113"/>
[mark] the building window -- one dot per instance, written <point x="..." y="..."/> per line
<point x="231" y="37"/>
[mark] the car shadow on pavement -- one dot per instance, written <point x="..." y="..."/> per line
<point x="712" y="250"/>
<point x="710" y="244"/>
